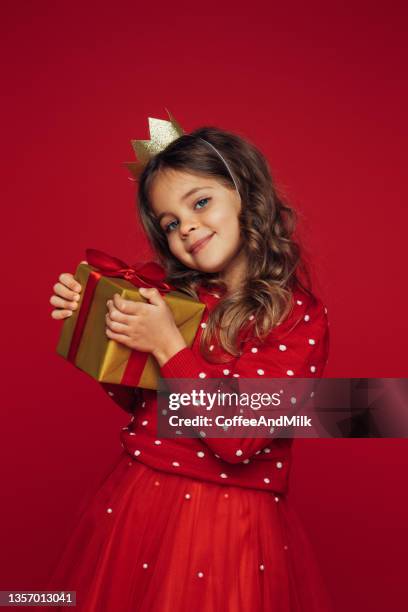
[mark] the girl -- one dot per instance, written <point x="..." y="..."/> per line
<point x="203" y="523"/>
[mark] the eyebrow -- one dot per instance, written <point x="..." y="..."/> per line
<point x="184" y="197"/>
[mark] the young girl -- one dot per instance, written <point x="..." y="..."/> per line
<point x="204" y="523"/>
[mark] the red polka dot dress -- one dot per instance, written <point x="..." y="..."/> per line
<point x="202" y="523"/>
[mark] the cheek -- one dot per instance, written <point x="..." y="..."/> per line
<point x="176" y="247"/>
<point x="224" y="222"/>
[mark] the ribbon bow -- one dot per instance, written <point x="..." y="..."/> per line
<point x="149" y="274"/>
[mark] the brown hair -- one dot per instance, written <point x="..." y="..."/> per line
<point x="267" y="225"/>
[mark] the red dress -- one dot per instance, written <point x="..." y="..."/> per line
<point x="202" y="523"/>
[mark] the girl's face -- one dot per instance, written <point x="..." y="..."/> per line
<point x="191" y="209"/>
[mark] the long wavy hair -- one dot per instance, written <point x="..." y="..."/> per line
<point x="267" y="224"/>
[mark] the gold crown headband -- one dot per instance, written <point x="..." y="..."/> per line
<point x="162" y="133"/>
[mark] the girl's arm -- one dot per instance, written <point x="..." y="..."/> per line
<point x="128" y="398"/>
<point x="297" y="348"/>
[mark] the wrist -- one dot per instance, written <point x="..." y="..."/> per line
<point x="173" y="346"/>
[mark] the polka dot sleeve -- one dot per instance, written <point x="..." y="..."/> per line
<point x="297" y="348"/>
<point x="128" y="398"/>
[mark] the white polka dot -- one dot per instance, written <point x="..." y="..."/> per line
<point x="200" y="574"/>
<point x="279" y="464"/>
<point x="164" y="411"/>
<point x="203" y="325"/>
<point x="157" y="442"/>
<point x="290" y="372"/>
<point x="137" y="453"/>
<point x="306" y="317"/>
<point x="262" y="567"/>
<point x="212" y="347"/>
<point x="215" y="455"/>
<point x="132" y="433"/>
<point x="216" y="295"/>
<point x="267" y="480"/>
<point x="143" y="404"/>
<point x="202" y="374"/>
<point x="282" y="347"/>
<point x="200" y="454"/>
<point x="254" y="349"/>
<point x="226" y="495"/>
<point x="236" y="375"/>
<point x="293" y="400"/>
<point x="325" y="310"/>
<point x="225" y="372"/>
<point x="276" y="499"/>
<point x="175" y="464"/>
<point x="299" y="302"/>
<point x="130" y="463"/>
<point x="246" y="461"/>
<point x="311" y="341"/>
<point x="145" y="422"/>
<point x="313" y="368"/>
<point x="223" y="475"/>
<point x="156" y="482"/>
<point x="124" y="428"/>
<point x="187" y="496"/>
<point x="251" y="318"/>
<point x="239" y="452"/>
<point x="260" y="372"/>
<point x="267" y="450"/>
<point x="145" y="565"/>
<point x="312" y="394"/>
<point x="111" y="393"/>
<point x="272" y="429"/>
<point x="109" y="510"/>
<point x="202" y="434"/>
<point x="257" y="452"/>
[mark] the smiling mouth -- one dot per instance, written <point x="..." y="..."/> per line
<point x="202" y="244"/>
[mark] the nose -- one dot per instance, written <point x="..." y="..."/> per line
<point x="186" y="227"/>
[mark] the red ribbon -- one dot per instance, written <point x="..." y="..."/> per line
<point x="149" y="274"/>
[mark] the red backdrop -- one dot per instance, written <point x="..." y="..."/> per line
<point x="321" y="89"/>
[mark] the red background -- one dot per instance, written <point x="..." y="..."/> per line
<point x="321" y="89"/>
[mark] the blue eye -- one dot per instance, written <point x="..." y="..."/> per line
<point x="168" y="228"/>
<point x="202" y="200"/>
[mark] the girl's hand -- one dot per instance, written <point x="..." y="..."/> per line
<point x="66" y="295"/>
<point x="147" y="327"/>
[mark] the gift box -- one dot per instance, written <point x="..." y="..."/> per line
<point x="83" y="340"/>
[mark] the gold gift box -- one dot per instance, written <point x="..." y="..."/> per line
<point x="105" y="359"/>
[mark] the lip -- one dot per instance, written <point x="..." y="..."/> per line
<point x="199" y="244"/>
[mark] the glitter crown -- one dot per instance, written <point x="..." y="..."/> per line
<point x="162" y="133"/>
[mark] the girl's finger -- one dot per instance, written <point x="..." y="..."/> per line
<point x="68" y="279"/>
<point x="115" y="325"/>
<point x="128" y="307"/>
<point x="61" y="303"/>
<point x="116" y="315"/>
<point x="61" y="314"/>
<point x="118" y="337"/>
<point x="64" y="292"/>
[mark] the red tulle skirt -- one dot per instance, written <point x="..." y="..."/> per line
<point x="150" y="541"/>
